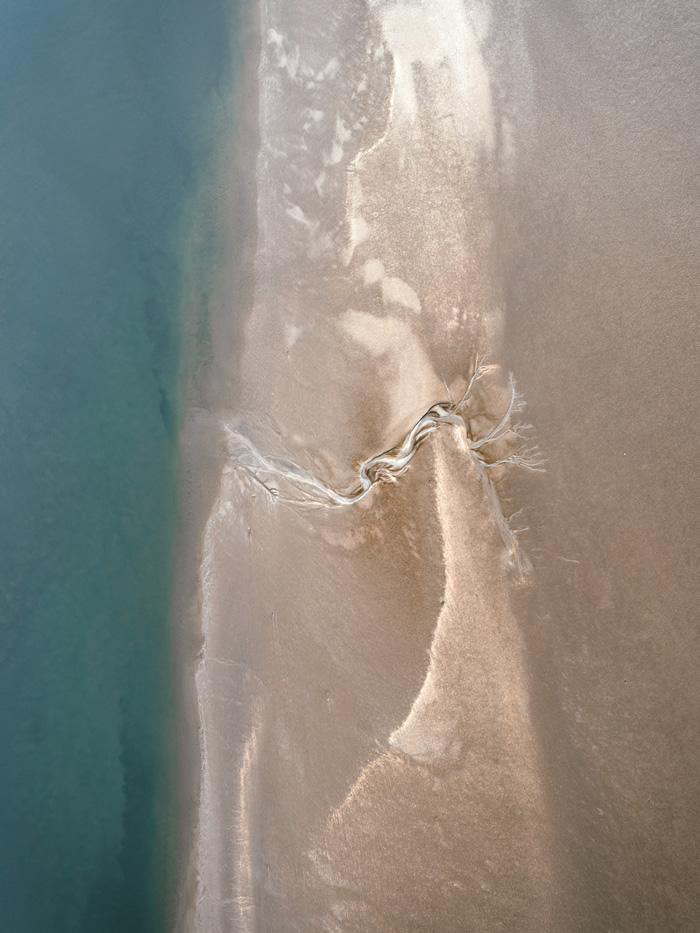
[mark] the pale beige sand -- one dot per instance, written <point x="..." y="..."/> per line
<point x="389" y="729"/>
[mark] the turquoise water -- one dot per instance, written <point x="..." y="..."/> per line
<point x="106" y="115"/>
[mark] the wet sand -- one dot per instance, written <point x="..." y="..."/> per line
<point x="440" y="707"/>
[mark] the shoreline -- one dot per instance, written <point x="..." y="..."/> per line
<point x="202" y="453"/>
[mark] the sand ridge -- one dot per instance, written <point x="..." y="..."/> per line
<point x="352" y="655"/>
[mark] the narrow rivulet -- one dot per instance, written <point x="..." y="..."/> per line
<point x="386" y="467"/>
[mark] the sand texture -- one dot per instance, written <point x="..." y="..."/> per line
<point x="439" y="688"/>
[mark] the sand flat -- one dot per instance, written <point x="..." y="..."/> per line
<point x="387" y="725"/>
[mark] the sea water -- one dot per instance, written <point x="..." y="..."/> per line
<point x="106" y="114"/>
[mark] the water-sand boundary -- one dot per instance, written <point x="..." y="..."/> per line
<point x="223" y="225"/>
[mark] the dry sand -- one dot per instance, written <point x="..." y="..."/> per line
<point x="403" y="724"/>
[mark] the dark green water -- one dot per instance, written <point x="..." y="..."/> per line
<point x="106" y="112"/>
